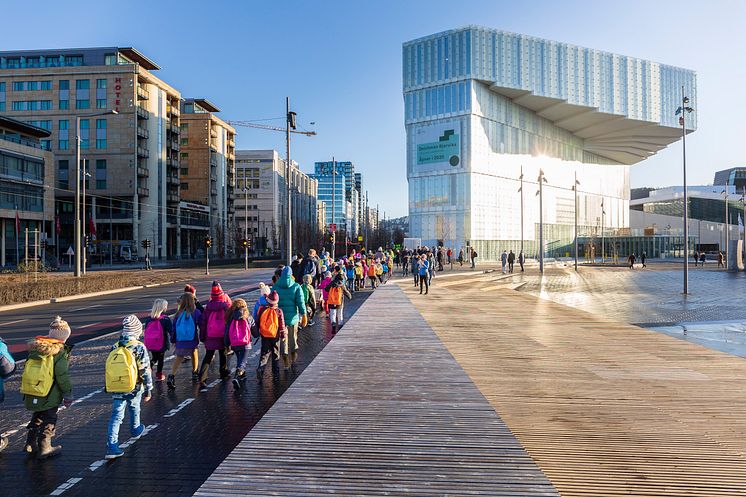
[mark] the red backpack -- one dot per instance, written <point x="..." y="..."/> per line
<point x="154" y="335"/>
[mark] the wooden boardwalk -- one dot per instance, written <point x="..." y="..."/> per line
<point x="605" y="409"/>
<point x="383" y="410"/>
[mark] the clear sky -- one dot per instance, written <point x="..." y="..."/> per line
<point x="340" y="62"/>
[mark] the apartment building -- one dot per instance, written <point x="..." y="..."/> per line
<point x="25" y="202"/>
<point x="207" y="177"/>
<point x="261" y="202"/>
<point x="129" y="129"/>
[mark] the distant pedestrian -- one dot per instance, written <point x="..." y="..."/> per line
<point x="185" y="336"/>
<point x="212" y="332"/>
<point x="521" y="259"/>
<point x="473" y="258"/>
<point x="7" y="368"/>
<point x="449" y="254"/>
<point x="359" y="275"/>
<point x="643" y="256"/>
<point x="310" y="295"/>
<point x="631" y="260"/>
<point x="337" y="293"/>
<point x="696" y="257"/>
<point x="423" y="269"/>
<point x="271" y="324"/>
<point x="721" y="260"/>
<point x="129" y="380"/>
<point x="238" y="325"/>
<point x="702" y="258"/>
<point x="156" y="336"/>
<point x="414" y="264"/>
<point x="511" y="261"/>
<point x="504" y="260"/>
<point x="44" y="394"/>
<point x="461" y="257"/>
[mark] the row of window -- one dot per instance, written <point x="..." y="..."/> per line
<point x="21" y="168"/>
<point x="31" y="85"/>
<point x="24" y="105"/>
<point x="64" y="84"/>
<point x="63" y="175"/>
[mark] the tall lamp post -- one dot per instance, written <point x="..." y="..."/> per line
<point x="334" y="193"/>
<point x="603" y="215"/>
<point x="245" y="222"/>
<point x="520" y="189"/>
<point x="540" y="193"/>
<point x="78" y="233"/>
<point x="727" y="225"/>
<point x="86" y="174"/>
<point x="575" y="189"/>
<point x="684" y="109"/>
<point x="290" y="123"/>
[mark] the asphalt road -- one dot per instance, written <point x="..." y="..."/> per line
<point x="94" y="316"/>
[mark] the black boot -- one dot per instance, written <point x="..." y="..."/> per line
<point x="46" y="449"/>
<point x="31" y="441"/>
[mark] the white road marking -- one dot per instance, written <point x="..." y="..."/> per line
<point x="132" y="440"/>
<point x="97" y="464"/>
<point x="87" y="307"/>
<point x="88" y="326"/>
<point x="9" y="432"/>
<point x="87" y="396"/>
<point x="13" y="322"/>
<point x="178" y="408"/>
<point x="68" y="484"/>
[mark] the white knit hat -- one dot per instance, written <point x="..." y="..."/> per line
<point x="131" y="326"/>
<point x="264" y="289"/>
<point x="59" y="329"/>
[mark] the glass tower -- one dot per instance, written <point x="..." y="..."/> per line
<point x="484" y="108"/>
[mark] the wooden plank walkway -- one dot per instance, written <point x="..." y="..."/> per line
<point x="604" y="408"/>
<point x="384" y="409"/>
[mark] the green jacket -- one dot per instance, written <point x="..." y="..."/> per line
<point x="292" y="302"/>
<point x="62" y="387"/>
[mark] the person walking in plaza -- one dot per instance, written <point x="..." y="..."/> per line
<point x="185" y="336"/>
<point x="44" y="393"/>
<point x="372" y="275"/>
<point x="129" y="380"/>
<point x="643" y="256"/>
<point x="415" y="268"/>
<point x="521" y="259"/>
<point x="511" y="261"/>
<point x="7" y="368"/>
<point x="431" y="268"/>
<point x="702" y="258"/>
<point x="157" y="335"/>
<point x="504" y="260"/>
<point x="423" y="269"/>
<point x="272" y="329"/>
<point x="308" y="266"/>
<point x="449" y="254"/>
<point x="293" y="309"/>
<point x="473" y="258"/>
<point x="310" y="296"/>
<point x="461" y="257"/>
<point x="238" y="325"/>
<point x="359" y="275"/>
<point x="721" y="259"/>
<point x="212" y="332"/>
<point x="324" y="287"/>
<point x="631" y="260"/>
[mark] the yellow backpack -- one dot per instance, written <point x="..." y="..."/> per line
<point x="38" y="376"/>
<point x="121" y="370"/>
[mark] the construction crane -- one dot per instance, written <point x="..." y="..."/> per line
<point x="249" y="124"/>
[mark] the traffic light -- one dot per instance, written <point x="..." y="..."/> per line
<point x="331" y="237"/>
<point x="208" y="241"/>
<point x="244" y="242"/>
<point x="249" y="243"/>
<point x="145" y="243"/>
<point x="43" y="244"/>
<point x="85" y="240"/>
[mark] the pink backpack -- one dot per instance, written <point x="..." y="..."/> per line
<point x="154" y="335"/>
<point x="215" y="325"/>
<point x="239" y="332"/>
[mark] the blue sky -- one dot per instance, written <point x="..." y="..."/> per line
<point x="340" y="62"/>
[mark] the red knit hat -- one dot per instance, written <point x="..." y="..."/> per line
<point x="189" y="288"/>
<point x="217" y="290"/>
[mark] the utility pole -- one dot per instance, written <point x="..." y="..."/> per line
<point x="245" y="221"/>
<point x="334" y="196"/>
<point x="541" y="180"/>
<point x="84" y="253"/>
<point x="603" y="215"/>
<point x="575" y="189"/>
<point x="289" y="122"/>
<point x="77" y="234"/>
<point x="683" y="110"/>
<point x="521" y="191"/>
<point x="727" y="226"/>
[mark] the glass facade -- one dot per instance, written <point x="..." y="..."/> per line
<point x="484" y="108"/>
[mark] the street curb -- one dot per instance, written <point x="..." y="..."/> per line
<point x="80" y="296"/>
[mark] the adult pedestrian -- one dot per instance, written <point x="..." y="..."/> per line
<point x="643" y="256"/>
<point x="721" y="260"/>
<point x="461" y="257"/>
<point x="43" y="395"/>
<point x="521" y="259"/>
<point x="449" y="254"/>
<point x="308" y="266"/>
<point x="504" y="260"/>
<point x="511" y="261"/>
<point x="423" y="270"/>
<point x="631" y="260"/>
<point x="293" y="310"/>
<point x="212" y="332"/>
<point x="185" y="336"/>
<point x="702" y="257"/>
<point x="473" y="258"/>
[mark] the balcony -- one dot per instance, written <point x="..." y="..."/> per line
<point x="172" y="197"/>
<point x="175" y="129"/>
<point x="142" y="113"/>
<point x="174" y="144"/>
<point x="173" y="180"/>
<point x="142" y="93"/>
<point x="143" y="133"/>
<point x="142" y="172"/>
<point x="143" y="152"/>
<point x="213" y="133"/>
<point x="142" y="191"/>
<point x="172" y="162"/>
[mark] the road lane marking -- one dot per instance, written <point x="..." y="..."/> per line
<point x="84" y="308"/>
<point x="178" y="408"/>
<point x="13" y="322"/>
<point x="97" y="464"/>
<point x="68" y="484"/>
<point x="89" y="325"/>
<point x="132" y="440"/>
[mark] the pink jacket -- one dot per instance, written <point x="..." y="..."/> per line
<point x="324" y="285"/>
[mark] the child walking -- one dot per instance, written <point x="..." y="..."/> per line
<point x="184" y="333"/>
<point x="238" y="324"/>
<point x="7" y="368"/>
<point x="157" y="335"/>
<point x="272" y="329"/>
<point x="212" y="332"/>
<point x="310" y="292"/>
<point x="128" y="364"/>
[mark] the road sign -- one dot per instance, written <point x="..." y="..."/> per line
<point x="360" y="238"/>
<point x="70" y="252"/>
<point x="332" y="227"/>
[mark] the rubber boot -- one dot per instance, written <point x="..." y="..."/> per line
<point x="46" y="449"/>
<point x="31" y="441"/>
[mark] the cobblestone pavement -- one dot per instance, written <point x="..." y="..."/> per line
<point x="190" y="430"/>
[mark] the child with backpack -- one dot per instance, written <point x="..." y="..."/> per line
<point x="272" y="329"/>
<point x="310" y="292"/>
<point x="212" y="332"/>
<point x="238" y="324"/>
<point x="350" y="274"/>
<point x="337" y="292"/>
<point x="184" y="334"/>
<point x="129" y="380"/>
<point x="7" y="368"/>
<point x="46" y="385"/>
<point x="324" y="287"/>
<point x="157" y="334"/>
<point x="358" y="276"/>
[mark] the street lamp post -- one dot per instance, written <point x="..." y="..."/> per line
<point x="245" y="222"/>
<point x="541" y="180"/>
<point x="289" y="123"/>
<point x="86" y="174"/>
<point x="521" y="191"/>
<point x="77" y="187"/>
<point x="575" y="189"/>
<point x="334" y="193"/>
<point x="603" y="215"/>
<point x="727" y="225"/>
<point x="684" y="109"/>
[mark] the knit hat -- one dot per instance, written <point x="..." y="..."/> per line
<point x="131" y="327"/>
<point x="59" y="329"/>
<point x="217" y="290"/>
<point x="264" y="289"/>
<point x="273" y="298"/>
<point x="189" y="288"/>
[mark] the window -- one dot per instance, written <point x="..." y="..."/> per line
<point x="185" y="155"/>
<point x="101" y="84"/>
<point x="84" y="133"/>
<point x="100" y="133"/>
<point x="64" y="104"/>
<point x="73" y="60"/>
<point x="184" y="126"/>
<point x="110" y="59"/>
<point x="184" y="171"/>
<point x="64" y="124"/>
<point x="2" y="106"/>
<point x="64" y="84"/>
<point x="46" y="85"/>
<point x="100" y="103"/>
<point x="82" y="104"/>
<point x="184" y="186"/>
<point x="185" y="141"/>
<point x="62" y="174"/>
<point x="101" y="174"/>
<point x="19" y="85"/>
<point x="63" y="144"/>
<point x="46" y="144"/>
<point x="100" y="93"/>
<point x="82" y="84"/>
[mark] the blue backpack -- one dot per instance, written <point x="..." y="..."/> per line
<point x="185" y="328"/>
<point x="7" y="364"/>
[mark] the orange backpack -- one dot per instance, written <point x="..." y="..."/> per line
<point x="372" y="270"/>
<point x="335" y="296"/>
<point x="269" y="323"/>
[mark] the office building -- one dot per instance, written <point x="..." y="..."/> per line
<point x="345" y="187"/>
<point x="131" y="158"/>
<point x="26" y="199"/>
<point x="735" y="176"/>
<point x="207" y="177"/>
<point x="264" y="202"/>
<point x="484" y="107"/>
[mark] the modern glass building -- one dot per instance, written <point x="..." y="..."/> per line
<point x="345" y="188"/>
<point x="484" y="108"/>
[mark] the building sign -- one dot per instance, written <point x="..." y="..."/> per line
<point x="117" y="93"/>
<point x="194" y="207"/>
<point x="438" y="146"/>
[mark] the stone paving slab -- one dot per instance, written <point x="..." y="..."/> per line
<point x="383" y="410"/>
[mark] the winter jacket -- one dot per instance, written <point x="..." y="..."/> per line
<point x="62" y="388"/>
<point x="259" y="303"/>
<point x="213" y="306"/>
<point x="6" y="353"/>
<point x="424" y="266"/>
<point x="142" y="358"/>
<point x="291" y="297"/>
<point x="311" y="298"/>
<point x="304" y="290"/>
<point x="295" y="270"/>
<point x="308" y="267"/>
<point x="187" y="344"/>
<point x="166" y="327"/>
<point x="324" y="287"/>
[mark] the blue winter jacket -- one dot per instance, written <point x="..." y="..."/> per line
<point x="291" y="297"/>
<point x="424" y="266"/>
<point x="262" y="302"/>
